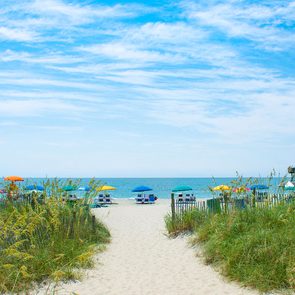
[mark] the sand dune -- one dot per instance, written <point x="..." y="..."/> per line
<point x="142" y="260"/>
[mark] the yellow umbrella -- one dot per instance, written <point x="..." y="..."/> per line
<point x="106" y="188"/>
<point x="222" y="187"/>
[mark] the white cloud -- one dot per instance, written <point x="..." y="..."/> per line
<point x="35" y="20"/>
<point x="28" y="108"/>
<point x="10" y="55"/>
<point x="77" y="14"/>
<point x="130" y="52"/>
<point x="255" y="22"/>
<point x="16" y="34"/>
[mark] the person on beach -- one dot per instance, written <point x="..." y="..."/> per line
<point x="13" y="191"/>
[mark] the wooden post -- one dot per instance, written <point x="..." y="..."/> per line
<point x="173" y="207"/>
<point x="93" y="222"/>
<point x="254" y="198"/>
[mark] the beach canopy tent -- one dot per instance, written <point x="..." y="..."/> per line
<point x="34" y="187"/>
<point x="258" y="187"/>
<point x="84" y="189"/>
<point x="222" y="187"/>
<point x="142" y="188"/>
<point x="69" y="188"/>
<point x="13" y="178"/>
<point x="182" y="188"/>
<point x="106" y="188"/>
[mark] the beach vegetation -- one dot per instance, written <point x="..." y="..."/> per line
<point x="255" y="246"/>
<point x="46" y="236"/>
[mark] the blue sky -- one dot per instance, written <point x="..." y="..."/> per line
<point x="146" y="88"/>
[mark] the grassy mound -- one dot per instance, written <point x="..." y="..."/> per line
<point x="49" y="240"/>
<point x="255" y="247"/>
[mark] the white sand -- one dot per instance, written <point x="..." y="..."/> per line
<point x="142" y="260"/>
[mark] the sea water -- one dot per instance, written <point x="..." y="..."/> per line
<point x="162" y="187"/>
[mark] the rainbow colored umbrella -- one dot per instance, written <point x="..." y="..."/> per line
<point x="241" y="189"/>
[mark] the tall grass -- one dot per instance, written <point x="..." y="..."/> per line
<point x="46" y="240"/>
<point x="255" y="247"/>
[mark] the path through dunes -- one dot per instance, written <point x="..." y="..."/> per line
<point x="142" y="260"/>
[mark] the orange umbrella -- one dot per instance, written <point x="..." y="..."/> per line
<point x="13" y="178"/>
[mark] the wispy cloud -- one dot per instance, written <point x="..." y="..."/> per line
<point x="16" y="34"/>
<point x="29" y="108"/>
<point x="270" y="26"/>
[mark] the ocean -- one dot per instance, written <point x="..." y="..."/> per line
<point x="162" y="187"/>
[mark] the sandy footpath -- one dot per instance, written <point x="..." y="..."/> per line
<point x="142" y="260"/>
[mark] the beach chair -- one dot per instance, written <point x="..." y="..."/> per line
<point x="108" y="199"/>
<point x="139" y="199"/>
<point x="179" y="198"/>
<point x="146" y="199"/>
<point x="187" y="198"/>
<point x="101" y="198"/>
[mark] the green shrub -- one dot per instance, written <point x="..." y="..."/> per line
<point x="47" y="240"/>
<point x="255" y="247"/>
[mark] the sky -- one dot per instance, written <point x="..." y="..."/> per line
<point x="146" y="88"/>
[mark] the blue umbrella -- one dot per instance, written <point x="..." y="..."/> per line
<point x="258" y="187"/>
<point x="84" y="189"/>
<point x="34" y="187"/>
<point x="141" y="188"/>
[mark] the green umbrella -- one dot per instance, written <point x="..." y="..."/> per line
<point x="69" y="188"/>
<point x="182" y="188"/>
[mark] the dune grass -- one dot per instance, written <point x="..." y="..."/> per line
<point x="51" y="240"/>
<point x="255" y="247"/>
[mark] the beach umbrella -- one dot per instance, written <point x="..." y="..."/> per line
<point x="182" y="188"/>
<point x="34" y="187"/>
<point x="289" y="186"/>
<point x="13" y="178"/>
<point x="69" y="188"/>
<point x="106" y="188"/>
<point x="241" y="189"/>
<point x="142" y="188"/>
<point x="222" y="187"/>
<point x="84" y="189"/>
<point x="258" y="187"/>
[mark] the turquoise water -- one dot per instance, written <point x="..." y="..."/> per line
<point x="161" y="186"/>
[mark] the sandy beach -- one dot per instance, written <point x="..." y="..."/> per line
<point x="141" y="259"/>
